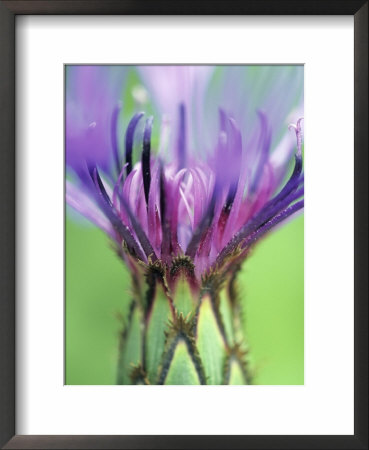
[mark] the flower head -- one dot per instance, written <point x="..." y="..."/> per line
<point x="205" y="207"/>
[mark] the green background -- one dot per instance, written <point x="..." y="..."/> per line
<point x="97" y="298"/>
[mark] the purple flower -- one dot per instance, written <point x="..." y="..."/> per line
<point x="92" y="110"/>
<point x="210" y="204"/>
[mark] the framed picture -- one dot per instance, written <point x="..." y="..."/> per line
<point x="178" y="224"/>
<point x="190" y="286"/>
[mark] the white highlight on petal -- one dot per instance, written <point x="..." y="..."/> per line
<point x="187" y="206"/>
<point x="298" y="131"/>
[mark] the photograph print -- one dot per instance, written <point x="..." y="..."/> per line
<point x="184" y="226"/>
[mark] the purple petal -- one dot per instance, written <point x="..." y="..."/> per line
<point x="146" y="161"/>
<point x="129" y="140"/>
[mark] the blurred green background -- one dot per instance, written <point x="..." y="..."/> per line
<point x="97" y="297"/>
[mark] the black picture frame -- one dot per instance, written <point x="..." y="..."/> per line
<point x="8" y="12"/>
